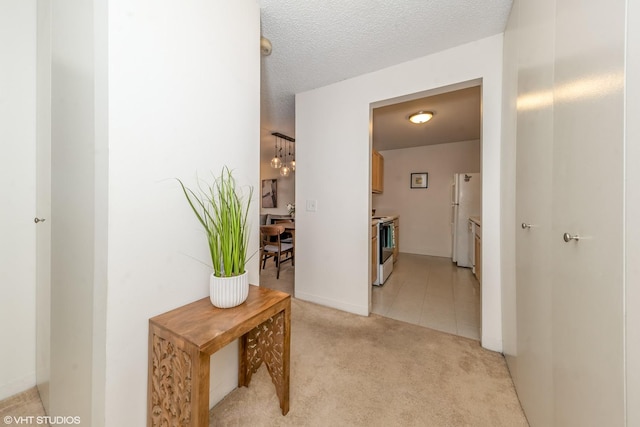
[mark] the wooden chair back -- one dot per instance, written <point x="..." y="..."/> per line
<point x="286" y="237"/>
<point x="274" y="248"/>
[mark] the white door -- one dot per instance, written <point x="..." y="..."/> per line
<point x="588" y="184"/>
<point x="43" y="203"/>
<point x="534" y="160"/>
<point x="569" y="368"/>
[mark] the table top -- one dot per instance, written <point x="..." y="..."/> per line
<point x="211" y="328"/>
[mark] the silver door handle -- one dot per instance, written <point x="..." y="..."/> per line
<point x="526" y="226"/>
<point x="568" y="237"/>
<point x="37" y="220"/>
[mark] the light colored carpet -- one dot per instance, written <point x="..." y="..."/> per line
<point x="349" y="370"/>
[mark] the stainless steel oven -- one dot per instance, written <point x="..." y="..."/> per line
<point x="386" y="245"/>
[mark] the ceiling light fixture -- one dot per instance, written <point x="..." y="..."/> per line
<point x="293" y="160"/>
<point x="285" y="166"/>
<point x="276" y="163"/>
<point x="421" y="117"/>
<point x="265" y="46"/>
<point x="284" y="170"/>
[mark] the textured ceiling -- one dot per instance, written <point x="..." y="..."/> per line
<point x="316" y="43"/>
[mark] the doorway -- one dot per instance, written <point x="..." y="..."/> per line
<point x="426" y="287"/>
<point x="281" y="206"/>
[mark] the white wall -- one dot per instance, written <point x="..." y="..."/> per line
<point x="73" y="208"/>
<point x="17" y="192"/>
<point x="179" y="73"/>
<point x="134" y="106"/>
<point x="425" y="215"/>
<point x="332" y="265"/>
<point x="508" y="208"/>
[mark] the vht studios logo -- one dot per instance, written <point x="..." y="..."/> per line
<point x="42" y="419"/>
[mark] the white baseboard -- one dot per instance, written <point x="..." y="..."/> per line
<point x="491" y="343"/>
<point x="340" y="305"/>
<point x="17" y="386"/>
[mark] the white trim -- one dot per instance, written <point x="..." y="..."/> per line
<point x="340" y="305"/>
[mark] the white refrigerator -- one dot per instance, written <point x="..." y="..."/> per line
<point x="466" y="196"/>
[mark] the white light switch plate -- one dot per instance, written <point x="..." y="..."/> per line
<point x="312" y="205"/>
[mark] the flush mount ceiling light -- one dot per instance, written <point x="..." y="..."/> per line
<point x="421" y="117"/>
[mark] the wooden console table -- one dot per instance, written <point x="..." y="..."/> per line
<point x="181" y="342"/>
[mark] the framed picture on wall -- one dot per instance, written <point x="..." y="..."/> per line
<point x="419" y="180"/>
<point x="269" y="193"/>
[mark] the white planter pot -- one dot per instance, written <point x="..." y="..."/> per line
<point x="227" y="292"/>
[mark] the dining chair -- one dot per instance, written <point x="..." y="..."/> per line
<point x="286" y="237"/>
<point x="271" y="245"/>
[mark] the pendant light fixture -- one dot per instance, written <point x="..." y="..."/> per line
<point x="293" y="159"/>
<point x="284" y="170"/>
<point x="276" y="163"/>
<point x="286" y="164"/>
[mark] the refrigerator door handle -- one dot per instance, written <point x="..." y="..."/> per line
<point x="455" y="189"/>
<point x="453" y="217"/>
<point x="454" y="239"/>
<point x="452" y="194"/>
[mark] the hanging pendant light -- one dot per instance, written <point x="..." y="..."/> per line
<point x="276" y="163"/>
<point x="284" y="170"/>
<point x="292" y="163"/>
<point x="286" y="164"/>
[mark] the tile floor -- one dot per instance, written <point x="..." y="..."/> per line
<point x="432" y="292"/>
<point x="423" y="290"/>
<point x="284" y="283"/>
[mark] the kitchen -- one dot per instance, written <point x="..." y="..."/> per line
<point x="413" y="169"/>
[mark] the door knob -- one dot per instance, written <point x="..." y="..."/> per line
<point x="526" y="226"/>
<point x="568" y="237"/>
<point x="37" y="220"/>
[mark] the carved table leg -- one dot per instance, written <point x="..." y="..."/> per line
<point x="269" y="343"/>
<point x="170" y="384"/>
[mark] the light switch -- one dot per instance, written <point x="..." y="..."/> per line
<point x="312" y="205"/>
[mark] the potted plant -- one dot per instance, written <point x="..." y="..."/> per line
<point x="222" y="210"/>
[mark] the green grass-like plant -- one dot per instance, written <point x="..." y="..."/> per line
<point x="223" y="212"/>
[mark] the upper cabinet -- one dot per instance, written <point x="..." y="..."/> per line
<point x="377" y="172"/>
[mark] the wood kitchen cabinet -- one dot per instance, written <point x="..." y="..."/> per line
<point x="377" y="172"/>
<point x="374" y="253"/>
